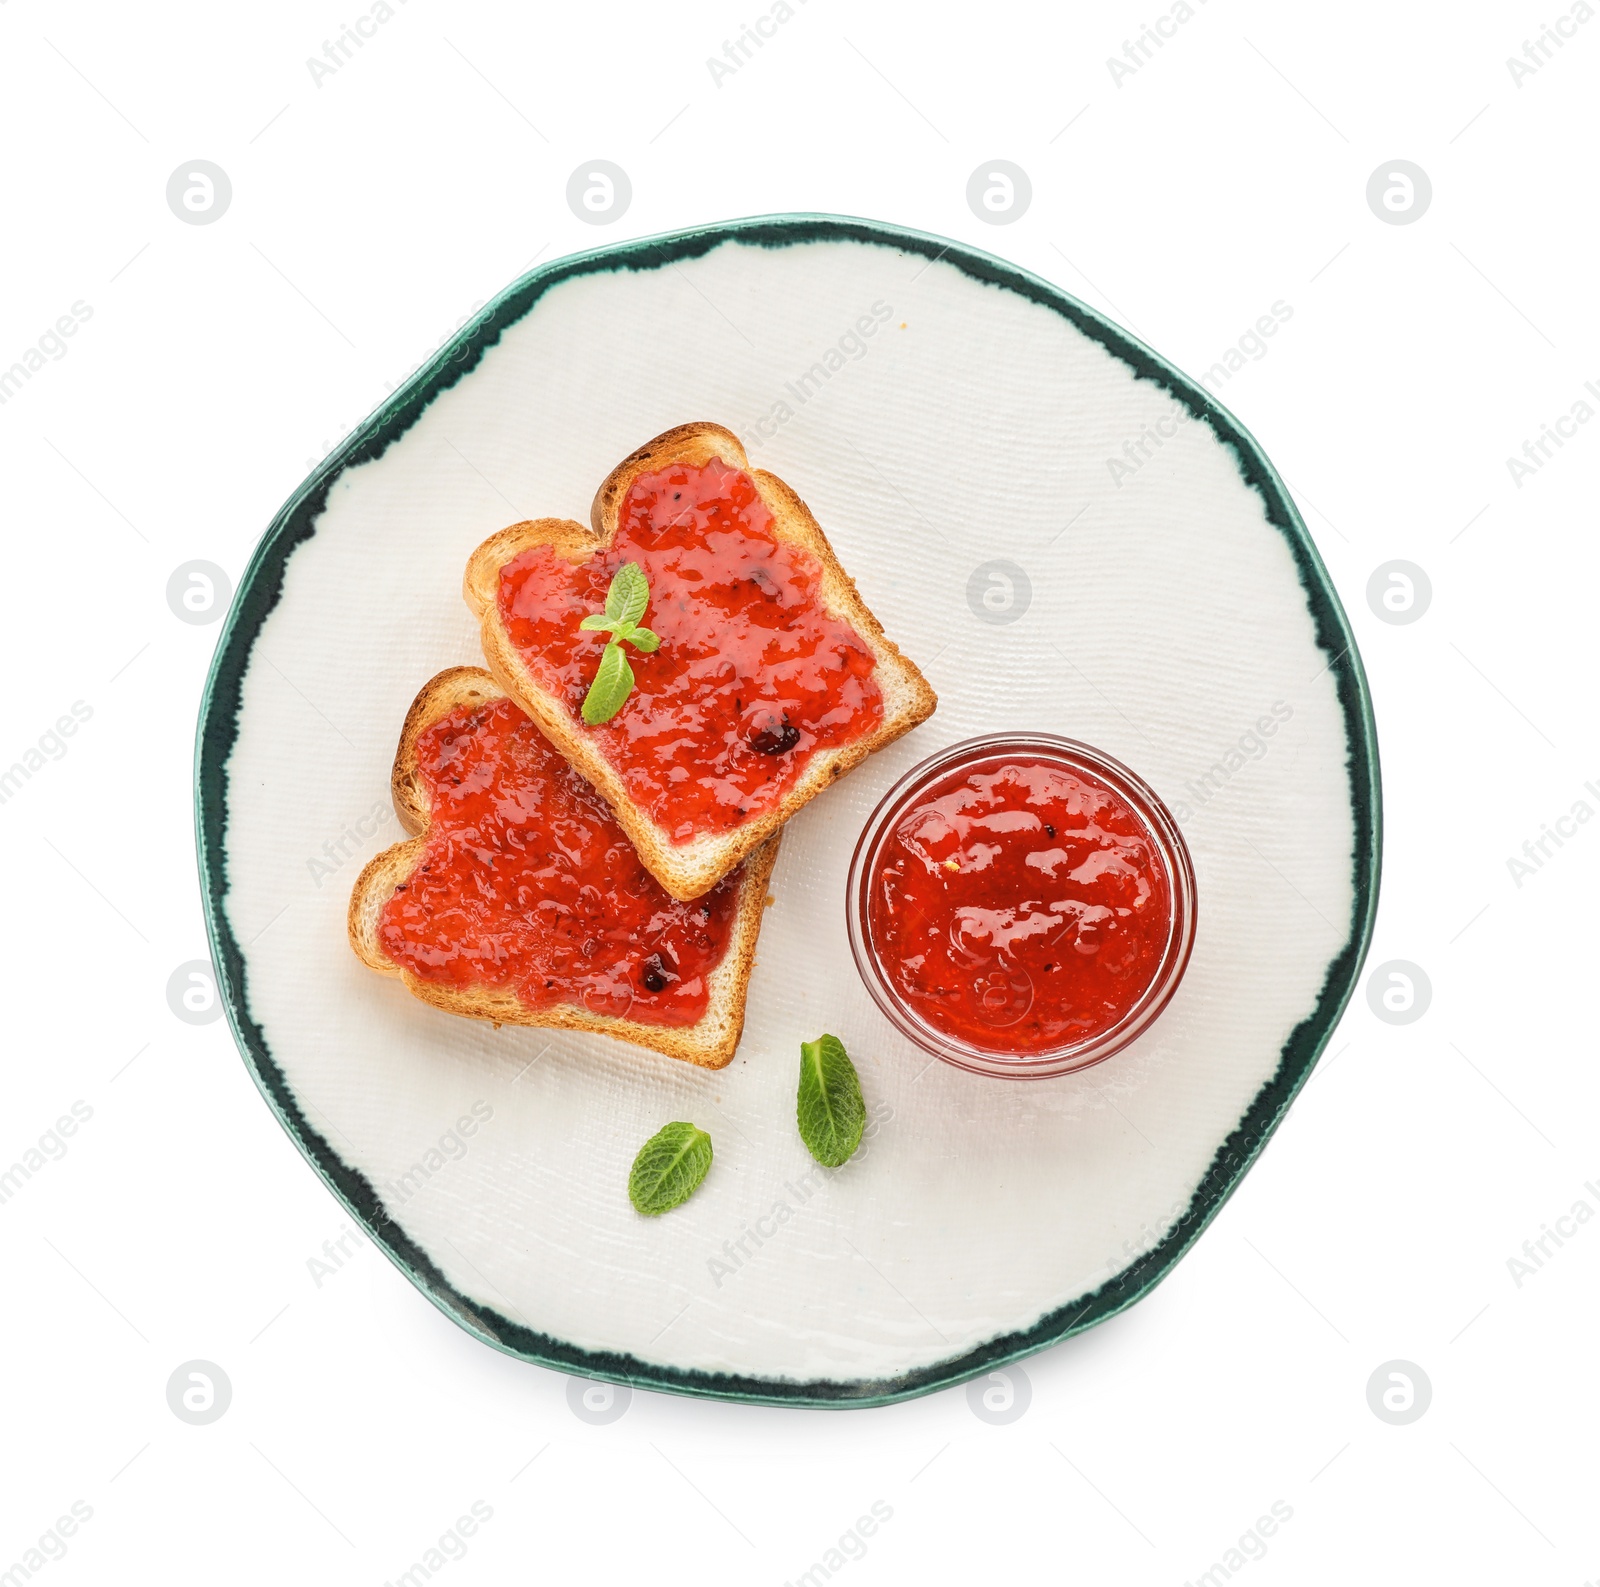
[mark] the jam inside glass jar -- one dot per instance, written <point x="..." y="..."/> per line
<point x="1021" y="905"/>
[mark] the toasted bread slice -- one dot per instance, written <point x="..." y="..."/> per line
<point x="688" y="869"/>
<point x="709" y="1042"/>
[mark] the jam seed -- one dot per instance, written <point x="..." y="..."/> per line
<point x="774" y="738"/>
<point x="656" y="975"/>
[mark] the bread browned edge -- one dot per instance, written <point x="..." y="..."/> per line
<point x="709" y="1042"/>
<point x="689" y="869"/>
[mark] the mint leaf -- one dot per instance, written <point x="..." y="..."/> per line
<point x="669" y="1169"/>
<point x="626" y="600"/>
<point x="629" y="594"/>
<point x="613" y="683"/>
<point x="829" y="1108"/>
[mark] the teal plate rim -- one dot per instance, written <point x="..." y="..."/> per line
<point x="262" y="585"/>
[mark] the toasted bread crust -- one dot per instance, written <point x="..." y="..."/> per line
<point x="710" y="1042"/>
<point x="687" y="870"/>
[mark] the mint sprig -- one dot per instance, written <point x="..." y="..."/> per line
<point x="829" y="1108"/>
<point x="669" y="1169"/>
<point x="626" y="600"/>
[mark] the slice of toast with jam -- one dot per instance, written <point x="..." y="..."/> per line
<point x="771" y="678"/>
<point x="519" y="899"/>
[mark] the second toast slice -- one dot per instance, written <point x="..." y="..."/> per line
<point x="517" y="899"/>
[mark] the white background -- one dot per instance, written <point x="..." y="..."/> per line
<point x="370" y="215"/>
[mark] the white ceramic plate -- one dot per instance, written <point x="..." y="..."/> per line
<point x="958" y="456"/>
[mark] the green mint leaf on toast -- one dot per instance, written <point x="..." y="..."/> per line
<point x="628" y="596"/>
<point x="613" y="683"/>
<point x="626" y="600"/>
<point x="669" y="1169"/>
<point x="829" y="1109"/>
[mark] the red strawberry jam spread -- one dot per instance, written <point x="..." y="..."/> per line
<point x="753" y="676"/>
<point x="1019" y="903"/>
<point x="528" y="883"/>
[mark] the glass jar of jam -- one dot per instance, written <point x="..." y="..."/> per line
<point x="1021" y="905"/>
